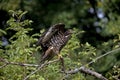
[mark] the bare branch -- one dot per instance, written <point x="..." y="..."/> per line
<point x="14" y="63"/>
<point x="81" y="69"/>
<point x="21" y="64"/>
<point x="3" y="65"/>
<point x="99" y="57"/>
<point x="41" y="66"/>
<point x="93" y="73"/>
<point x="90" y="72"/>
<point x="32" y="65"/>
<point x="87" y="71"/>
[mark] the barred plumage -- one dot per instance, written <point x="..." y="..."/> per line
<point x="53" y="40"/>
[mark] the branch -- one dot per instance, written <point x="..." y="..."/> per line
<point x="99" y="57"/>
<point x="82" y="68"/>
<point x="3" y="65"/>
<point x="90" y="72"/>
<point x="87" y="71"/>
<point x="14" y="63"/>
<point x="32" y="65"/>
<point x="40" y="67"/>
<point x="93" y="73"/>
<point x="21" y="64"/>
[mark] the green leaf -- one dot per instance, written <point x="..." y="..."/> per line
<point x="2" y="32"/>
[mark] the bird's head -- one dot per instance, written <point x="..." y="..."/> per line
<point x="68" y="32"/>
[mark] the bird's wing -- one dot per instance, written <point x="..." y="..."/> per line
<point x="51" y="31"/>
<point x="41" y="37"/>
<point x="46" y="36"/>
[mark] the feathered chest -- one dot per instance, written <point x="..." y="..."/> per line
<point x="58" y="40"/>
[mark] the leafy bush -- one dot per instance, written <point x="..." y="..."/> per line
<point x="22" y="50"/>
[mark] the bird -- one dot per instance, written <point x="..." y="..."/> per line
<point x="52" y="41"/>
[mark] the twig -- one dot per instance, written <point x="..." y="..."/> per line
<point x="14" y="63"/>
<point x="20" y="64"/>
<point x="34" y="71"/>
<point x="82" y="68"/>
<point x="90" y="72"/>
<point x="99" y="57"/>
<point x="3" y="65"/>
<point x="41" y="66"/>
<point x="31" y="65"/>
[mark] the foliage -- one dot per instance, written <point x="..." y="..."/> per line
<point x="20" y="48"/>
<point x="114" y="73"/>
<point x="96" y="31"/>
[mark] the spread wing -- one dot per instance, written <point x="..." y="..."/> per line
<point x="46" y="36"/>
<point x="53" y="40"/>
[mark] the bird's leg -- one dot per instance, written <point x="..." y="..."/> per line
<point x="47" y="53"/>
<point x="62" y="62"/>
